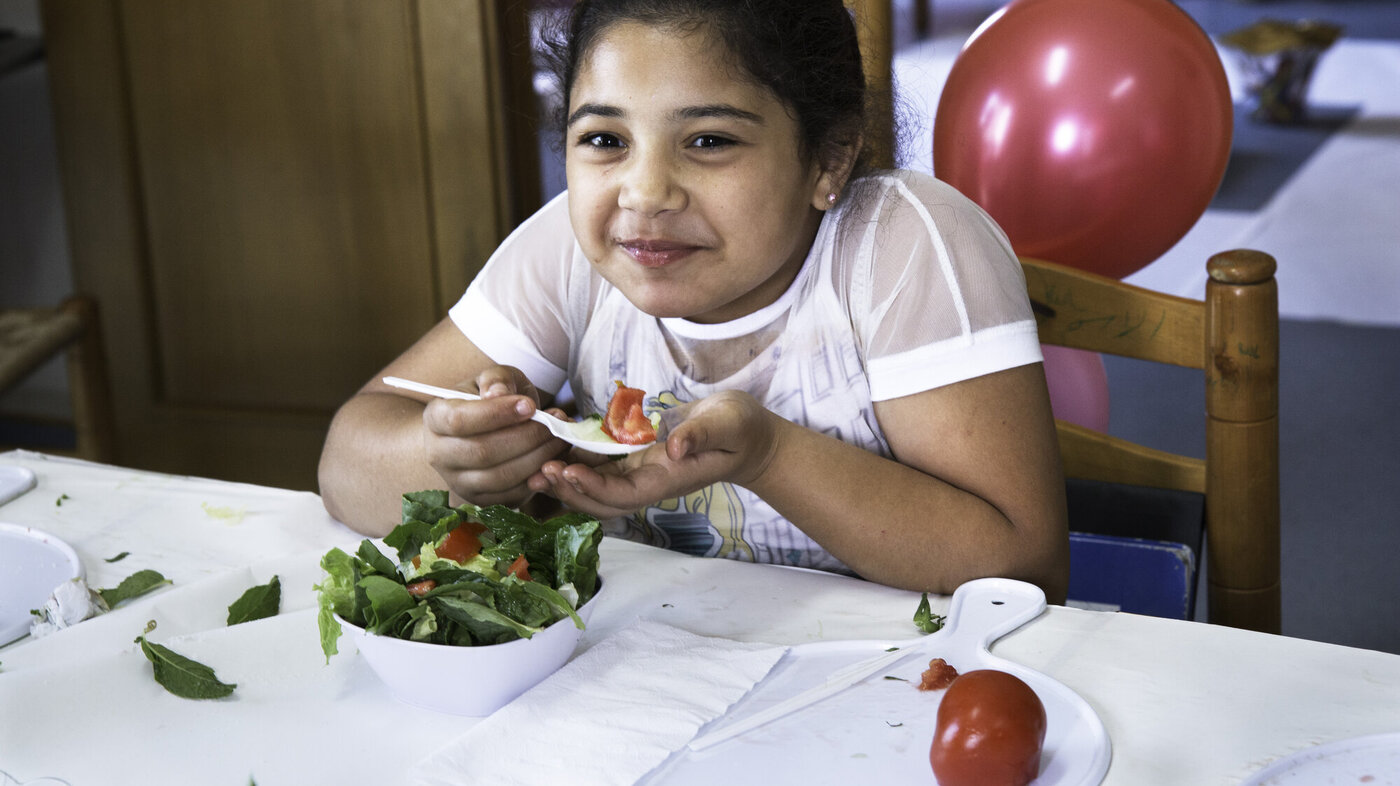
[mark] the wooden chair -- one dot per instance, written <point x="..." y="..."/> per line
<point x="31" y="336"/>
<point x="1232" y="337"/>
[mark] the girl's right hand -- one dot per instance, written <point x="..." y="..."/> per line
<point x="486" y="450"/>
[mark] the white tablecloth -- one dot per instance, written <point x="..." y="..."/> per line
<point x="1182" y="702"/>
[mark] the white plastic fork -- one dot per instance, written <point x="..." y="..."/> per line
<point x="566" y="430"/>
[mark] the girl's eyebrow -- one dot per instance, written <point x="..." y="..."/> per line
<point x="724" y="111"/>
<point x="594" y="110"/>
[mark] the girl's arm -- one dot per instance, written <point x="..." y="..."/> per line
<point x="976" y="491"/>
<point x="384" y="442"/>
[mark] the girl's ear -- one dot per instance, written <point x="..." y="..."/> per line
<point x="836" y="159"/>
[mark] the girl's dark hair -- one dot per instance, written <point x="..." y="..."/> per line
<point x="804" y="51"/>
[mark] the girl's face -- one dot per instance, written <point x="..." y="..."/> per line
<point x="686" y="188"/>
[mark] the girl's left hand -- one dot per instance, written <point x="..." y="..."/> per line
<point x="725" y="437"/>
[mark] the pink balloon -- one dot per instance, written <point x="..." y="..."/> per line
<point x="1078" y="386"/>
<point x="1095" y="132"/>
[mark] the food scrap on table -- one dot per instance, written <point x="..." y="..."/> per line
<point x="224" y="513"/>
<point x="73" y="601"/>
<point x="924" y="618"/>
<point x="938" y="675"/>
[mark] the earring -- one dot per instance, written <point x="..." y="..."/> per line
<point x="831" y="198"/>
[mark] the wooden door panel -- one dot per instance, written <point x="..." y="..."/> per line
<point x="271" y="199"/>
<point x="283" y="181"/>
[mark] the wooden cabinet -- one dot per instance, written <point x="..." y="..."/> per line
<point x="271" y="199"/>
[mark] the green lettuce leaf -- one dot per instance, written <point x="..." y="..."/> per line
<point x="924" y="618"/>
<point x="179" y="675"/>
<point x="335" y="595"/>
<point x="375" y="560"/>
<point x="135" y="585"/>
<point x="387" y="600"/>
<point x="576" y="556"/>
<point x="487" y="625"/>
<point x="257" y="603"/>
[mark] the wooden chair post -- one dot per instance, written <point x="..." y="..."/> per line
<point x="1242" y="481"/>
<point x="93" y="423"/>
<point x="875" y="28"/>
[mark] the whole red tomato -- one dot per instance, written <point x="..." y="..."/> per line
<point x="991" y="727"/>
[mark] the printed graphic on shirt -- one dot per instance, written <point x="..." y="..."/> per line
<point x="706" y="523"/>
<point x="721" y="520"/>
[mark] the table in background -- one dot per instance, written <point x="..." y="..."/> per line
<point x="1182" y="702"/>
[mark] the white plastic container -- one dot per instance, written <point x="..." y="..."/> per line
<point x="491" y="675"/>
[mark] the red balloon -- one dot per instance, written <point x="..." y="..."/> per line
<point x="1095" y="132"/>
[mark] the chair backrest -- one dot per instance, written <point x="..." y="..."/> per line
<point x="1232" y="337"/>
<point x="29" y="337"/>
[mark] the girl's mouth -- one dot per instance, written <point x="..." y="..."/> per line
<point x="656" y="253"/>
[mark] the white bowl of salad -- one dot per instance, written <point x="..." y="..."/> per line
<point x="491" y="594"/>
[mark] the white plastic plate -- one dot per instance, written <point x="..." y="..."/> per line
<point x="1373" y="760"/>
<point x="14" y="481"/>
<point x="32" y="564"/>
<point x="879" y="730"/>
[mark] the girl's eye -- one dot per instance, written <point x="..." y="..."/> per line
<point x="600" y="141"/>
<point x="711" y="141"/>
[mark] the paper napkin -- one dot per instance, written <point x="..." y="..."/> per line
<point x="610" y="716"/>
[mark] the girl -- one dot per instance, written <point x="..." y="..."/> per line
<point x="846" y="360"/>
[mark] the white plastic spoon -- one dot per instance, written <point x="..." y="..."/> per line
<point x="581" y="435"/>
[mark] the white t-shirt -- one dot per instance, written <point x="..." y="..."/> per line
<point x="908" y="286"/>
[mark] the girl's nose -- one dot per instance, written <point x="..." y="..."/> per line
<point x="649" y="186"/>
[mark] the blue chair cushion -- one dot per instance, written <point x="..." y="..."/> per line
<point x="1134" y="548"/>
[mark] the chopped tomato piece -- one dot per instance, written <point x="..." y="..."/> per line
<point x="420" y="588"/>
<point x="938" y="675"/>
<point x="461" y="544"/>
<point x="520" y="568"/>
<point x="626" y="422"/>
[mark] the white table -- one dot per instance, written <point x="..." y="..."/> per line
<point x="1183" y="703"/>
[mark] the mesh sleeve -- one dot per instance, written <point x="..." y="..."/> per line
<point x="944" y="293"/>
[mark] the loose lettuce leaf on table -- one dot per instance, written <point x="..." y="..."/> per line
<point x="135" y="585"/>
<point x="257" y="603"/>
<point x="924" y="618"/>
<point x="179" y="675"/>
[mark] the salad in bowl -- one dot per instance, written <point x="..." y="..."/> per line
<point x="488" y="590"/>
